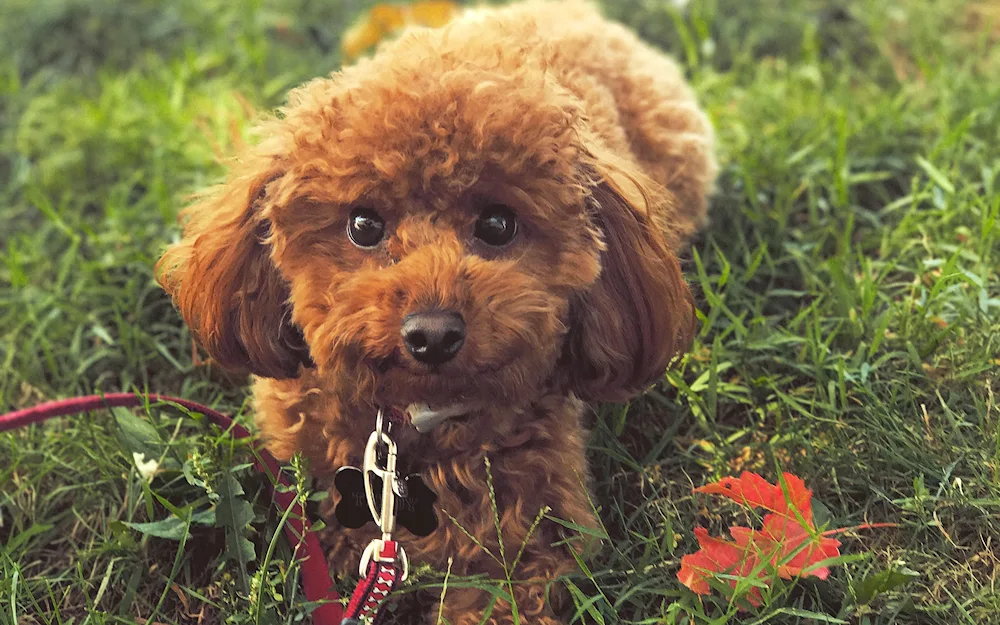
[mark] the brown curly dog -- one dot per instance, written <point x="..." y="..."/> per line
<point x="478" y="223"/>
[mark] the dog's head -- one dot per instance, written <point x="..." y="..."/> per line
<point x="436" y="235"/>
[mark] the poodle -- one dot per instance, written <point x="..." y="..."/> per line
<point x="476" y="226"/>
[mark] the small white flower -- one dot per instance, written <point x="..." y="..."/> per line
<point x="147" y="468"/>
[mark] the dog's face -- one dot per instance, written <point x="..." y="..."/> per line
<point x="460" y="295"/>
<point x="454" y="238"/>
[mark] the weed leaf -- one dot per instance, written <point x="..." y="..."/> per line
<point x="137" y="435"/>
<point x="882" y="582"/>
<point x="171" y="528"/>
<point x="233" y="511"/>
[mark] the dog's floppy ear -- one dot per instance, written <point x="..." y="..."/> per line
<point x="221" y="277"/>
<point x="626" y="329"/>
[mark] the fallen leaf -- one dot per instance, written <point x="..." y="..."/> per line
<point x="787" y="543"/>
<point x="718" y="556"/>
<point x="797" y="547"/>
<point x="753" y="491"/>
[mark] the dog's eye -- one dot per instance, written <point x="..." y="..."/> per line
<point x="496" y="225"/>
<point x="365" y="227"/>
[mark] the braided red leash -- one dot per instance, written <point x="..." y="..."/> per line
<point x="316" y="581"/>
<point x="382" y="576"/>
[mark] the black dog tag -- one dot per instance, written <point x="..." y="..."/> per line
<point x="414" y="510"/>
<point x="352" y="510"/>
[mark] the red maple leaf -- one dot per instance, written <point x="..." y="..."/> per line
<point x="788" y="542"/>
<point x="797" y="548"/>
<point x="753" y="491"/>
<point x="719" y="556"/>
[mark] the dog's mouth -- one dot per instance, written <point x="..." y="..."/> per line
<point x="423" y="416"/>
<point x="403" y="384"/>
<point x="434" y="394"/>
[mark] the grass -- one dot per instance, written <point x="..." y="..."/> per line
<point x="849" y="300"/>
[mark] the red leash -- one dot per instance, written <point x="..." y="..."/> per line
<point x="316" y="581"/>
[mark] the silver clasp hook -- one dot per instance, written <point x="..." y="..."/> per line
<point x="385" y="512"/>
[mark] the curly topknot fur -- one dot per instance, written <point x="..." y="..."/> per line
<point x="595" y="142"/>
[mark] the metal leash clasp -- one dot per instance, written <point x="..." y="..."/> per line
<point x="383" y="510"/>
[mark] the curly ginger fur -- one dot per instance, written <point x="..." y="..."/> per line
<point x="594" y="140"/>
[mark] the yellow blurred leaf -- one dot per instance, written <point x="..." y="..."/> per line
<point x="433" y="13"/>
<point x="385" y="20"/>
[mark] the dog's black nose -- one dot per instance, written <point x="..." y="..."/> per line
<point x="434" y="337"/>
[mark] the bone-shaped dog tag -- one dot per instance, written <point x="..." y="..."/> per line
<point x="352" y="509"/>
<point x="414" y="510"/>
